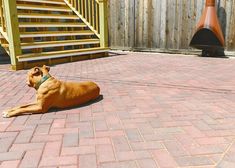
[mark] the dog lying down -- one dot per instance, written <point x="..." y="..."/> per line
<point x="54" y="93"/>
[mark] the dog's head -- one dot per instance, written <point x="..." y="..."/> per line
<point x="35" y="75"/>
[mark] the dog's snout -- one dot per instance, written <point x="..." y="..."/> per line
<point x="28" y="83"/>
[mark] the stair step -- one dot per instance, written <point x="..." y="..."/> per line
<point x="55" y="33"/>
<point x="47" y="16"/>
<point x="60" y="54"/>
<point x="44" y="1"/>
<point x="43" y="8"/>
<point x="51" y="24"/>
<point x="58" y="43"/>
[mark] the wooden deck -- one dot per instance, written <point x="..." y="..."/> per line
<point x="37" y="30"/>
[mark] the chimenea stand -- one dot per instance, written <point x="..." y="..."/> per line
<point x="208" y="37"/>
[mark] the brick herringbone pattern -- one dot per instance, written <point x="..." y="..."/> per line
<point x="157" y="110"/>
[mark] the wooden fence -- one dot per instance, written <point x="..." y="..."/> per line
<point x="163" y="24"/>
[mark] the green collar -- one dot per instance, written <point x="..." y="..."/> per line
<point x="44" y="78"/>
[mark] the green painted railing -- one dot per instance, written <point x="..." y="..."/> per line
<point x="94" y="14"/>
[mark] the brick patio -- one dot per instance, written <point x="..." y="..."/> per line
<point x="158" y="110"/>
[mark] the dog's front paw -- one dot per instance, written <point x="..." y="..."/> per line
<point x="5" y="114"/>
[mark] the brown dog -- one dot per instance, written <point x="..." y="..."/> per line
<point x="54" y="93"/>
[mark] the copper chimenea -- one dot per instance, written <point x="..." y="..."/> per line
<point x="208" y="37"/>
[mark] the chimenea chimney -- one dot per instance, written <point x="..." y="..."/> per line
<point x="208" y="37"/>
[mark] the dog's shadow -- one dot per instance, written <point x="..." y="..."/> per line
<point x="100" y="98"/>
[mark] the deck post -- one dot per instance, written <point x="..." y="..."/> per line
<point x="103" y="22"/>
<point x="13" y="33"/>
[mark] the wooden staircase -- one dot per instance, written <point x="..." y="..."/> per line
<point x="35" y="32"/>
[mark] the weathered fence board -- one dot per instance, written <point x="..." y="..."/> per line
<point x="163" y="24"/>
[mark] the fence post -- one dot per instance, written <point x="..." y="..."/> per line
<point x="103" y="21"/>
<point x="12" y="28"/>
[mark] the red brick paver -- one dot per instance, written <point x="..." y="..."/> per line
<point x="158" y="110"/>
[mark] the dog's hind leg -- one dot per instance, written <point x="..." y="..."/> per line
<point x="30" y="108"/>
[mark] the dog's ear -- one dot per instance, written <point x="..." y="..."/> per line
<point x="46" y="68"/>
<point x="36" y="71"/>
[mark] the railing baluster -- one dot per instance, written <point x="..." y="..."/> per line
<point x="94" y="14"/>
<point x="72" y="2"/>
<point x="86" y="10"/>
<point x="76" y="5"/>
<point x="97" y="18"/>
<point x="82" y="7"/>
